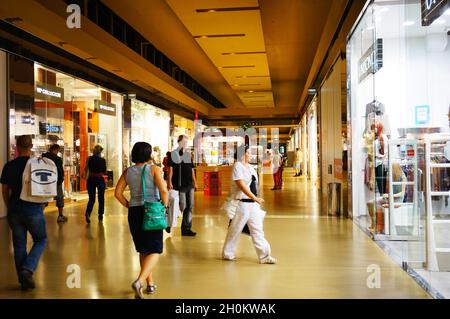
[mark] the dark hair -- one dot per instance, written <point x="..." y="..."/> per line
<point x="24" y="142"/>
<point x="54" y="147"/>
<point x="141" y="153"/>
<point x="168" y="154"/>
<point x="181" y="137"/>
<point x="240" y="152"/>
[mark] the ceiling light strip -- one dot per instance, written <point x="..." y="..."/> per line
<point x="230" y="35"/>
<point x="252" y="76"/>
<point x="211" y="10"/>
<point x="242" y="53"/>
<point x="236" y="66"/>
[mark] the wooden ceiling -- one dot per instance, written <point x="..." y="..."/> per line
<point x="263" y="49"/>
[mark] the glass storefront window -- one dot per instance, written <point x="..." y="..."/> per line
<point x="55" y="107"/>
<point x="398" y="75"/>
<point x="152" y="125"/>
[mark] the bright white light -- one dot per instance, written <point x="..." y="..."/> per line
<point x="408" y="23"/>
<point x="385" y="9"/>
<point x="370" y="27"/>
<point x="447" y="12"/>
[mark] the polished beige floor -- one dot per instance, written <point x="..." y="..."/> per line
<point x="319" y="257"/>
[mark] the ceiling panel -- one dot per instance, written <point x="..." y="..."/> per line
<point x="233" y="40"/>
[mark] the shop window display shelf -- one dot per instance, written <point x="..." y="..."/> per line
<point x="438" y="221"/>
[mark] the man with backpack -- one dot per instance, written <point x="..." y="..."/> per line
<point x="23" y="216"/>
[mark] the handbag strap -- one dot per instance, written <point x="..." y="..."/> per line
<point x="144" y="188"/>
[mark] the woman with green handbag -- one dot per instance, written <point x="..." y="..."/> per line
<point x="146" y="212"/>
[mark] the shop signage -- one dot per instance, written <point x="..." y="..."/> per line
<point x="50" y="93"/>
<point x="104" y="107"/>
<point x="372" y="61"/>
<point x="432" y="10"/>
<point x="47" y="128"/>
<point x="422" y="114"/>
<point x="28" y="119"/>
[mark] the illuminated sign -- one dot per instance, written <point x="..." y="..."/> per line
<point x="50" y="93"/>
<point x="372" y="60"/>
<point x="47" y="128"/>
<point x="433" y="9"/>
<point x="104" y="107"/>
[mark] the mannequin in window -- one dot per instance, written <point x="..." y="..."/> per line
<point x="375" y="112"/>
<point x="381" y="150"/>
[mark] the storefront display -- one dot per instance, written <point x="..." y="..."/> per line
<point x="55" y="107"/>
<point x="398" y="59"/>
<point x="183" y="126"/>
<point x="152" y="125"/>
<point x="312" y="149"/>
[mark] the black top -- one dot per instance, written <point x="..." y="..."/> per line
<point x="96" y="164"/>
<point x="59" y="165"/>
<point x="181" y="163"/>
<point x="12" y="176"/>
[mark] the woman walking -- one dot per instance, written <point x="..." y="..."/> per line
<point x="149" y="244"/>
<point x="248" y="212"/>
<point x="95" y="171"/>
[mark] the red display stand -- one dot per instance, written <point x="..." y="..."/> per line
<point x="212" y="184"/>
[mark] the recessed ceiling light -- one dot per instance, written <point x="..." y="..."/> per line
<point x="408" y="23"/>
<point x="251" y="91"/>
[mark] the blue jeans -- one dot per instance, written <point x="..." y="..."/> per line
<point x="94" y="184"/>
<point x="23" y="218"/>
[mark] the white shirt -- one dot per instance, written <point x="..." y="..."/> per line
<point x="242" y="172"/>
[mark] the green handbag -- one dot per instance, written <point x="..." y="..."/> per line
<point x="154" y="212"/>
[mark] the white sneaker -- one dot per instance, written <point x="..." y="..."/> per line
<point x="229" y="258"/>
<point x="268" y="260"/>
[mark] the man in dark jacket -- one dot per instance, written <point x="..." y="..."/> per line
<point x="53" y="155"/>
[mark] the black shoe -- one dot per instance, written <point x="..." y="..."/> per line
<point x="100" y="218"/>
<point x="273" y="189"/>
<point x="188" y="233"/>
<point x="26" y="279"/>
<point x="88" y="218"/>
<point x="168" y="230"/>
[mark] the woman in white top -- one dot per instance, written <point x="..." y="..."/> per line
<point x="248" y="212"/>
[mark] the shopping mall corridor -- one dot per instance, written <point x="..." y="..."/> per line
<point x="318" y="256"/>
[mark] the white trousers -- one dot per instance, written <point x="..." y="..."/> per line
<point x="252" y="215"/>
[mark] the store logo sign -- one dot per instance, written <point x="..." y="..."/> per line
<point x="104" y="107"/>
<point x="49" y="93"/>
<point x="47" y="128"/>
<point x="372" y="60"/>
<point x="432" y="10"/>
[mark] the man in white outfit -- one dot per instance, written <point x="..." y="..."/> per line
<point x="248" y="211"/>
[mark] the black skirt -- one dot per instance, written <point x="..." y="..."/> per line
<point x="146" y="242"/>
